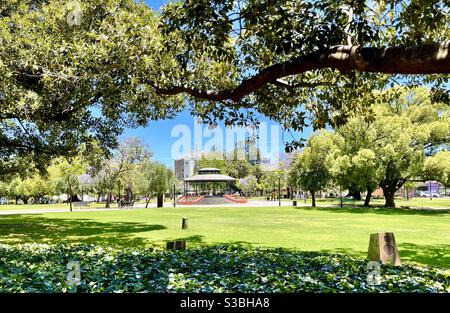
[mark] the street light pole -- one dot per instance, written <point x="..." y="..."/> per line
<point x="174" y="196"/>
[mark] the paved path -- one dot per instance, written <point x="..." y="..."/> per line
<point x="250" y="203"/>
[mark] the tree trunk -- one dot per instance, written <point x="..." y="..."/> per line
<point x="108" y="200"/>
<point x="109" y="195"/>
<point x="160" y="200"/>
<point x="368" y="196"/>
<point x="313" y="197"/>
<point x="354" y="193"/>
<point x="112" y="180"/>
<point x="389" y="194"/>
<point x="128" y="193"/>
<point x="292" y="193"/>
<point x="70" y="193"/>
<point x="70" y="201"/>
<point x="74" y="198"/>
<point x="147" y="202"/>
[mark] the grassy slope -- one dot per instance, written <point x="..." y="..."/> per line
<point x="422" y="237"/>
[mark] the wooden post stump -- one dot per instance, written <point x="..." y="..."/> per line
<point x="176" y="245"/>
<point x="184" y="223"/>
<point x="382" y="247"/>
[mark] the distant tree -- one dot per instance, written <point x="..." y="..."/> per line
<point x="258" y="172"/>
<point x="410" y="185"/>
<point x="268" y="182"/>
<point x="3" y="189"/>
<point x="18" y="189"/>
<point x="437" y="167"/>
<point x="65" y="173"/>
<point x="130" y="152"/>
<point x="358" y="172"/>
<point x="100" y="182"/>
<point x="238" y="168"/>
<point x="86" y="183"/>
<point x="211" y="159"/>
<point x="390" y="146"/>
<point x="248" y="185"/>
<point x="153" y="178"/>
<point x="39" y="186"/>
<point x="309" y="171"/>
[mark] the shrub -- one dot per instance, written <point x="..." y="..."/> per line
<point x="42" y="268"/>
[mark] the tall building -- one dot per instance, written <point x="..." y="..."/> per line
<point x="184" y="167"/>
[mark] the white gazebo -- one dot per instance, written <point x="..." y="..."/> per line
<point x="207" y="176"/>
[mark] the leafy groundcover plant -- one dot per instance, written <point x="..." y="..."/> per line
<point x="43" y="268"/>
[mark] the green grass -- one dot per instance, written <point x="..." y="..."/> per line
<point x="422" y="236"/>
<point x="413" y="203"/>
<point x="55" y="206"/>
<point x="377" y="202"/>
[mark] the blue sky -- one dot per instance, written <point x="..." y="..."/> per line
<point x="158" y="134"/>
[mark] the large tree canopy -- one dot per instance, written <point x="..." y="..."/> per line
<point x="62" y="84"/>
<point x="276" y="56"/>
<point x="406" y="140"/>
<point x="74" y="71"/>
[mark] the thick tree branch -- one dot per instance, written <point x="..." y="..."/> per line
<point x="285" y="84"/>
<point x="424" y="59"/>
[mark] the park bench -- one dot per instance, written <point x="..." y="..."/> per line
<point x="81" y="205"/>
<point x="126" y="204"/>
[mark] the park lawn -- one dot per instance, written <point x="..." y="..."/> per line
<point x="413" y="203"/>
<point x="422" y="236"/>
<point x="54" y="206"/>
<point x="443" y="203"/>
<point x="57" y="206"/>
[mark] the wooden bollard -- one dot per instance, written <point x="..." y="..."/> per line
<point x="176" y="245"/>
<point x="184" y="223"/>
<point x="382" y="247"/>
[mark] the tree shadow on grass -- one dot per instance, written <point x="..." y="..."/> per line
<point x="437" y="254"/>
<point x="239" y="243"/>
<point x="19" y="229"/>
<point x="377" y="210"/>
<point x="198" y="241"/>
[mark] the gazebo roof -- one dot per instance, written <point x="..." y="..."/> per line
<point x="210" y="178"/>
<point x="209" y="174"/>
<point x="209" y="169"/>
